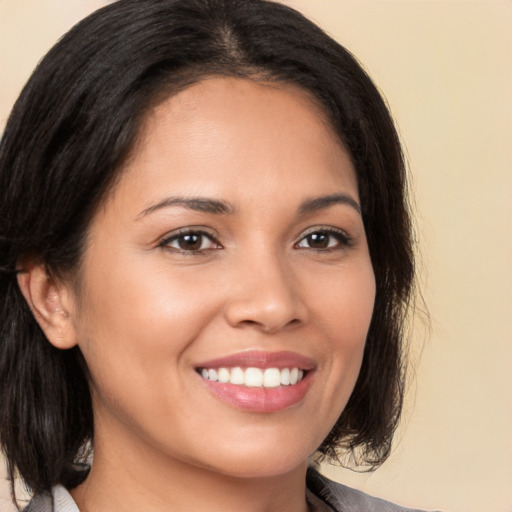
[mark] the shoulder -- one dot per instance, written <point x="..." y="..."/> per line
<point x="40" y="503"/>
<point x="59" y="501"/>
<point x="343" y="498"/>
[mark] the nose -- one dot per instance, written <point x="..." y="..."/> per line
<point x="265" y="295"/>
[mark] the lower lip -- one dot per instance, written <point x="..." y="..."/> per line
<point x="259" y="399"/>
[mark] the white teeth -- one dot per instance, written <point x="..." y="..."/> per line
<point x="271" y="378"/>
<point x="254" y="377"/>
<point x="237" y="376"/>
<point x="223" y="375"/>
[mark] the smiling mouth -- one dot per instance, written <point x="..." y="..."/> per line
<point x="254" y="377"/>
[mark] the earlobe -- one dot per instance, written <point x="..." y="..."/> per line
<point x="50" y="303"/>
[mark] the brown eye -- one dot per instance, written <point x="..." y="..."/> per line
<point x="318" y="240"/>
<point x="324" y="239"/>
<point x="190" y="241"/>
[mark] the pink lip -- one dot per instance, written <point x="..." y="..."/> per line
<point x="255" y="399"/>
<point x="258" y="359"/>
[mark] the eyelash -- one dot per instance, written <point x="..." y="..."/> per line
<point x="166" y="242"/>
<point x="343" y="241"/>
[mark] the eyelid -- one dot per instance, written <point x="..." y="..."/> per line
<point x="343" y="237"/>
<point x="167" y="239"/>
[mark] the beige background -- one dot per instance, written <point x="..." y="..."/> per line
<point x="446" y="69"/>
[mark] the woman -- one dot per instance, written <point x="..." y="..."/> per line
<point x="206" y="264"/>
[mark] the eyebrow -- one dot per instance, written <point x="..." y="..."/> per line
<point x="319" y="203"/>
<point x="219" y="207"/>
<point x="198" y="204"/>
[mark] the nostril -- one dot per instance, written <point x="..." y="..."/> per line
<point x="268" y="326"/>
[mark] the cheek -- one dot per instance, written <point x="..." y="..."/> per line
<point x="134" y="306"/>
<point x="135" y="326"/>
<point x="346" y="304"/>
<point x="345" y="312"/>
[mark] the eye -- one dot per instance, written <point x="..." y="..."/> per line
<point x="324" y="239"/>
<point x="190" y="241"/>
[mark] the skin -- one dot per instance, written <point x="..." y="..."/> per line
<point x="149" y="311"/>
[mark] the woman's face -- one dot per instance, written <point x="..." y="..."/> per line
<point x="227" y="287"/>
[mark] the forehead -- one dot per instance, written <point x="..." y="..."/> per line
<point x="226" y="135"/>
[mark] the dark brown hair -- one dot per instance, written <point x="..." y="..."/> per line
<point x="68" y="134"/>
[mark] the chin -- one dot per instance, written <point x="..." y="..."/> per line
<point x="260" y="469"/>
<point x="268" y="458"/>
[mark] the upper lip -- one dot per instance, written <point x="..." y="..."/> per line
<point x="260" y="359"/>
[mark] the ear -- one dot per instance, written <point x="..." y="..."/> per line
<point x="51" y="303"/>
